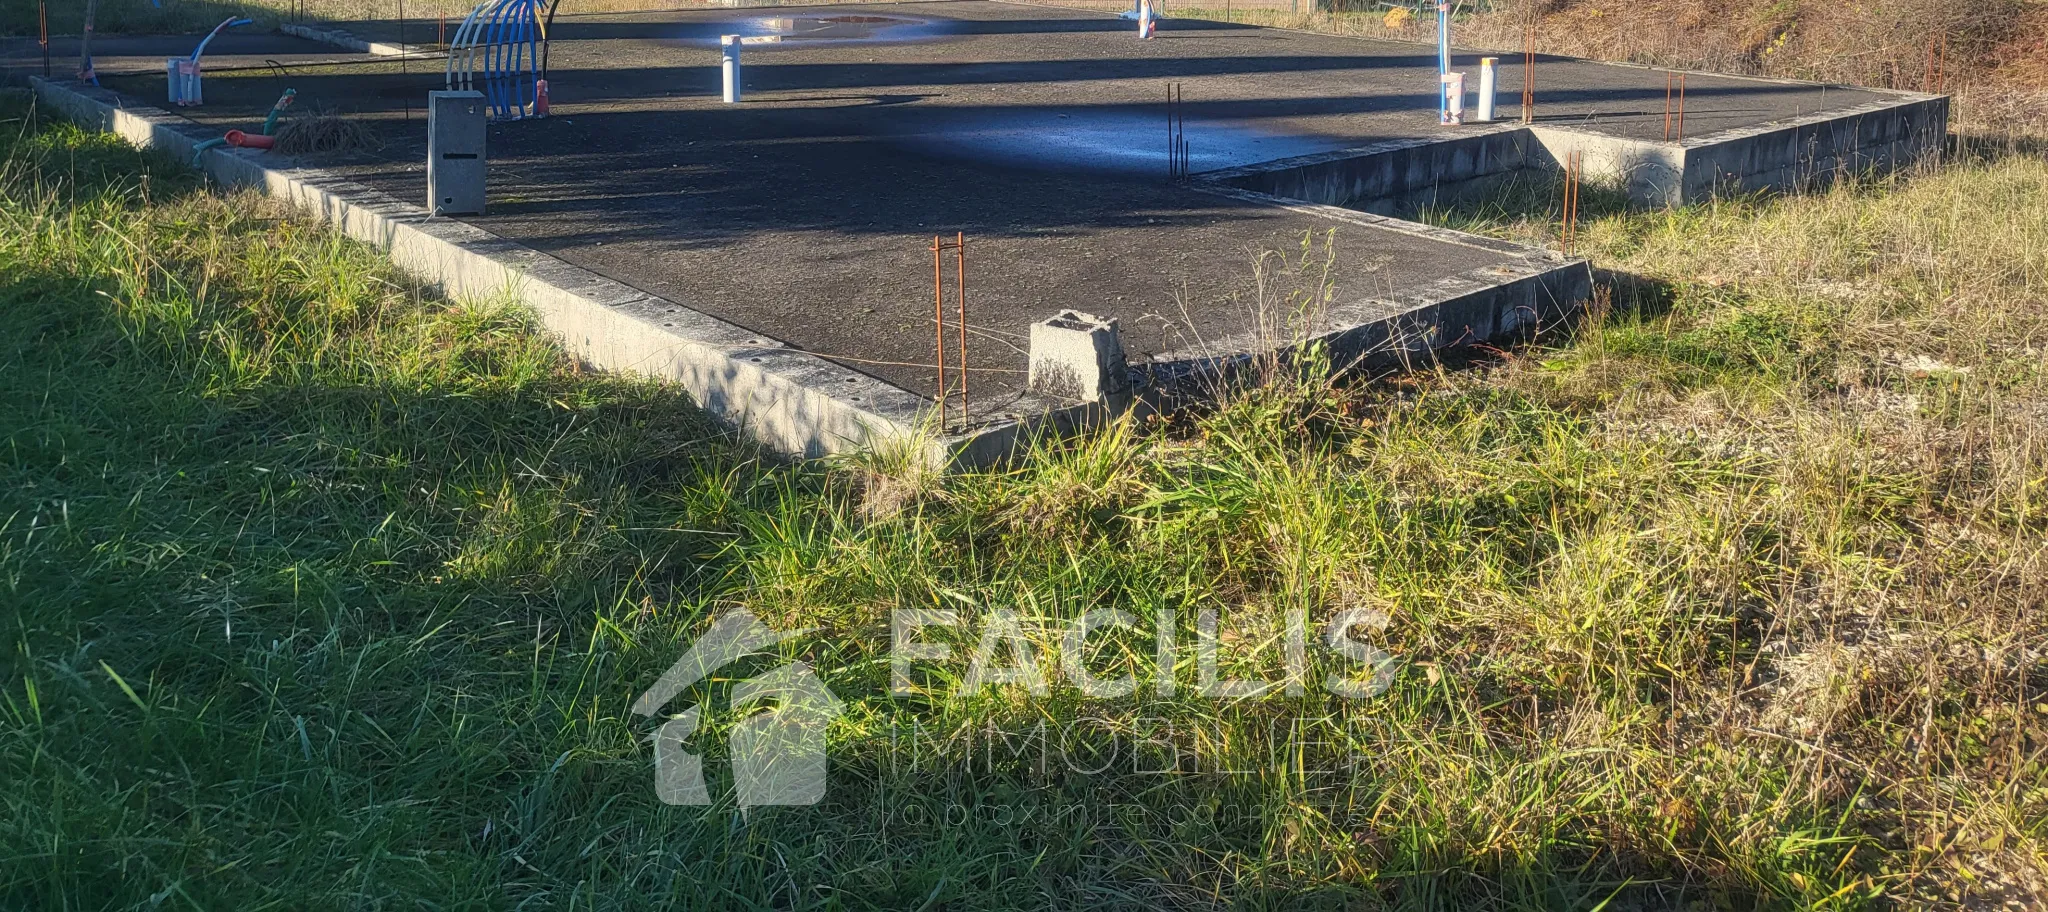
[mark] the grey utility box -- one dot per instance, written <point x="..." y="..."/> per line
<point x="455" y="153"/>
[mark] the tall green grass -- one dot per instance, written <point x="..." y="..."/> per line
<point x="321" y="592"/>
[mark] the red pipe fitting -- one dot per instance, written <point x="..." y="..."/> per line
<point x="243" y="140"/>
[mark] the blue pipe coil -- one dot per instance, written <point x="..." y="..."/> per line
<point x="494" y="73"/>
<point x="491" y="82"/>
<point x="530" y="72"/>
<point x="508" y="61"/>
<point x="504" y="40"/>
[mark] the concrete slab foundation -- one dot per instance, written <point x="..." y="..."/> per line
<point x="766" y="255"/>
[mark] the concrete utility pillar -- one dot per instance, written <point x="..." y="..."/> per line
<point x="455" y="153"/>
<point x="1078" y="356"/>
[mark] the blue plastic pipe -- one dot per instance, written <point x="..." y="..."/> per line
<point x="1443" y="60"/>
<point x="509" y="36"/>
<point x="494" y="54"/>
<point x="491" y="28"/>
<point x="224" y="26"/>
<point x="199" y="151"/>
<point x="531" y="72"/>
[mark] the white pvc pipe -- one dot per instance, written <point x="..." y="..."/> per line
<point x="730" y="44"/>
<point x="1145" y="26"/>
<point x="1487" y="68"/>
<point x="1454" y="98"/>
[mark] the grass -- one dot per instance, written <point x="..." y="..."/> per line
<point x="321" y="592"/>
<point x="324" y="133"/>
<point x="138" y="17"/>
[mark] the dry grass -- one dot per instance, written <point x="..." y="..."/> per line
<point x="1886" y="43"/>
<point x="325" y="133"/>
<point x="1874" y="361"/>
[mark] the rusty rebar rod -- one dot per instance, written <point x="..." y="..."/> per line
<point x="1573" y="166"/>
<point x="1941" y="65"/>
<point x="1674" y="90"/>
<point x="1529" y="73"/>
<point x="1680" y="107"/>
<point x="1178" y="159"/>
<point x="939" y="247"/>
<point x="1670" y="85"/>
<point x="939" y="313"/>
<point x="1937" y="59"/>
<point x="1180" y="107"/>
<point x="960" y="284"/>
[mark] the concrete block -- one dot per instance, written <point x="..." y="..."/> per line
<point x="1078" y="356"/>
<point x="455" y="153"/>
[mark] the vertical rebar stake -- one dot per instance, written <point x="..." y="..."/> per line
<point x="1564" y="226"/>
<point x="1681" y="107"/>
<point x="1573" y="165"/>
<point x="1529" y="73"/>
<point x="1670" y="86"/>
<point x="1172" y="134"/>
<point x="43" y="23"/>
<point x="1930" y="77"/>
<point x="960" y="284"/>
<point x="1674" y="87"/>
<point x="1177" y="157"/>
<point x="1180" y="119"/>
<point x="939" y="312"/>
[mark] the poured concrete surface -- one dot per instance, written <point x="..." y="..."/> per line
<point x="803" y="214"/>
<point x="1317" y="87"/>
<point x="119" y="55"/>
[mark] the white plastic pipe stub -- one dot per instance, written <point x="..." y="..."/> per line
<point x="1489" y="68"/>
<point x="1454" y="99"/>
<point x="729" y="45"/>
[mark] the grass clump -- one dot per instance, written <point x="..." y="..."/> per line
<point x="321" y="592"/>
<point x="325" y="133"/>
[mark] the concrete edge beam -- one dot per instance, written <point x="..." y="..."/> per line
<point x="347" y="40"/>
<point x="792" y="401"/>
<point x="1882" y="136"/>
